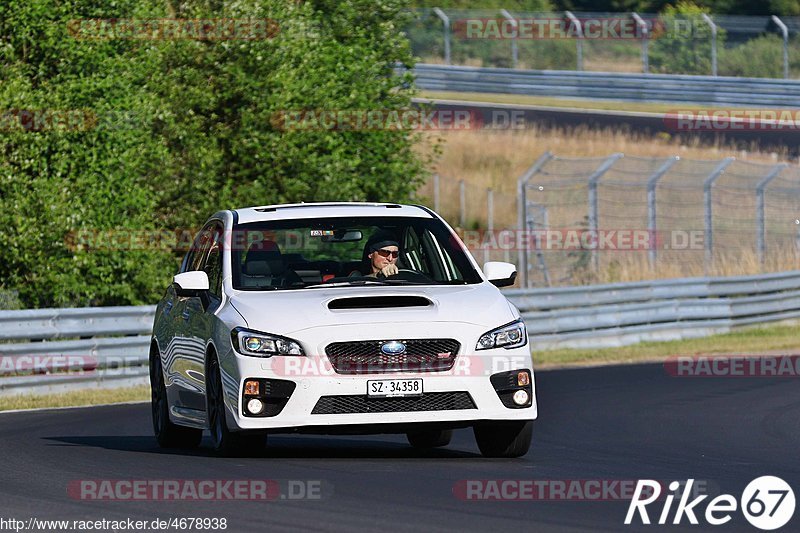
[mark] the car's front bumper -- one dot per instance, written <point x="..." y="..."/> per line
<point x="443" y="399"/>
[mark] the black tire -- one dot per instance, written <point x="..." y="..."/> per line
<point x="168" y="434"/>
<point x="429" y="438"/>
<point x="504" y="439"/>
<point x="225" y="442"/>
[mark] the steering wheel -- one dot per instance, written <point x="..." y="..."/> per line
<point x="410" y="275"/>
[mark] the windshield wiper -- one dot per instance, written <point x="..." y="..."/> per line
<point x="354" y="283"/>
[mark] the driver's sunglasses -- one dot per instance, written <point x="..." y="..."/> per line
<point x="386" y="253"/>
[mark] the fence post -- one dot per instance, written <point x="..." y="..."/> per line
<point x="514" y="47"/>
<point x="436" y="192"/>
<point x="652" y="182"/>
<point x="645" y="36"/>
<point x="462" y="204"/>
<point x="579" y="41"/>
<point x="709" y="228"/>
<point x="446" y="24"/>
<point x="713" y="27"/>
<point x="522" y="215"/>
<point x="761" y="228"/>
<point x="785" y="32"/>
<point x="594" y="178"/>
<point x="531" y="227"/>
<point x="489" y="222"/>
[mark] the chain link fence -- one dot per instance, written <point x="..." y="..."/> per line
<point x="619" y="218"/>
<point x="725" y="45"/>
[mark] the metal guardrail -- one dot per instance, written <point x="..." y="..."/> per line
<point x="115" y="350"/>
<point x="670" y="88"/>
<point x="626" y="313"/>
<point x="53" y="350"/>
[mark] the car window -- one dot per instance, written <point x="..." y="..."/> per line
<point x="195" y="259"/>
<point x="213" y="265"/>
<point x="291" y="254"/>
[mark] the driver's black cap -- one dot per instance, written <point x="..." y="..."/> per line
<point x="381" y="239"/>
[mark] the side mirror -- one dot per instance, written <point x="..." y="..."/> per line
<point x="190" y="283"/>
<point x="500" y="274"/>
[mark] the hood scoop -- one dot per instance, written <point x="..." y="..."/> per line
<point x="378" y="302"/>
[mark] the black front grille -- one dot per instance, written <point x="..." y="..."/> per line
<point x="430" y="401"/>
<point x="365" y="357"/>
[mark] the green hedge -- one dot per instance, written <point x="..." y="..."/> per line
<point x="186" y="127"/>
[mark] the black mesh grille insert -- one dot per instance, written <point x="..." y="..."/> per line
<point x="365" y="357"/>
<point x="430" y="401"/>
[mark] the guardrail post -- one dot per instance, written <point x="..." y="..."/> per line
<point x="713" y="27"/>
<point x="514" y="47"/>
<point x="645" y="36"/>
<point x="761" y="228"/>
<point x="534" y="238"/>
<point x="594" y="179"/>
<point x="436" y="192"/>
<point x="446" y="23"/>
<point x="579" y="41"/>
<point x="522" y="215"/>
<point x="709" y="228"/>
<point x="489" y="222"/>
<point x="785" y="32"/>
<point x="652" y="182"/>
<point x="462" y="204"/>
<point x="797" y="242"/>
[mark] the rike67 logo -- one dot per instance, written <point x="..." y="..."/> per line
<point x="767" y="503"/>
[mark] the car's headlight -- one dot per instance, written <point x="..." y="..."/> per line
<point x="258" y="344"/>
<point x="509" y="336"/>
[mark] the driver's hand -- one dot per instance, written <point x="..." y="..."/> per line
<point x="389" y="270"/>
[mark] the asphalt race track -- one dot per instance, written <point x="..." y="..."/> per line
<point x="606" y="423"/>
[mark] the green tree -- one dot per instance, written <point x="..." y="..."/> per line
<point x="684" y="44"/>
<point x="183" y="128"/>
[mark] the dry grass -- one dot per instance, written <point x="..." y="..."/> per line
<point x="621" y="267"/>
<point x="495" y="159"/>
<point x="552" y="101"/>
<point x="758" y="340"/>
<point x="77" y="398"/>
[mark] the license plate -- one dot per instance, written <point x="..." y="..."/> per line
<point x="386" y="388"/>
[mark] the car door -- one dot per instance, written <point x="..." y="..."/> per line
<point x="201" y="312"/>
<point x="185" y="365"/>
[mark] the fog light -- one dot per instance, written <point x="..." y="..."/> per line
<point x="251" y="387"/>
<point x="523" y="378"/>
<point x="255" y="406"/>
<point x="521" y="397"/>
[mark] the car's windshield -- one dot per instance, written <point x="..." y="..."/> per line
<point x="296" y="254"/>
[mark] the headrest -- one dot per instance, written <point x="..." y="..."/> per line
<point x="264" y="259"/>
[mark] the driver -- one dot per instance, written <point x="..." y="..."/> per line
<point x="381" y="252"/>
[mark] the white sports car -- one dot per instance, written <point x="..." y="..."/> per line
<point x="339" y="318"/>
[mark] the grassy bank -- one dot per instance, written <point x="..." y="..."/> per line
<point x="756" y="341"/>
<point x="551" y="101"/>
<point x="76" y="398"/>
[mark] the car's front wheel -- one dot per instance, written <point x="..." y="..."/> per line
<point x="430" y="438"/>
<point x="225" y="442"/>
<point x="504" y="439"/>
<point x="167" y="434"/>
